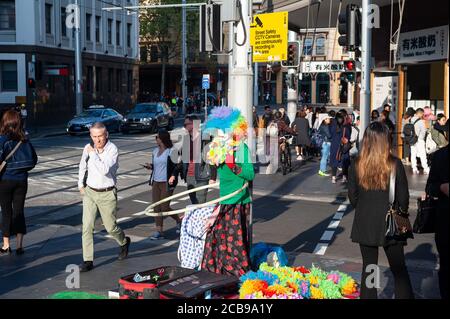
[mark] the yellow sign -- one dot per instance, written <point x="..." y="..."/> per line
<point x="269" y="37"/>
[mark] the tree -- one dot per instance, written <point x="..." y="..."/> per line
<point x="162" y="28"/>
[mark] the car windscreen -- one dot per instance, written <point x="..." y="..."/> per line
<point x="144" y="108"/>
<point x="91" y="113"/>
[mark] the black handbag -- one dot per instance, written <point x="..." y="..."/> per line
<point x="398" y="226"/>
<point x="425" y="222"/>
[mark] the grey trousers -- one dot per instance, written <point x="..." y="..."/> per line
<point x="200" y="196"/>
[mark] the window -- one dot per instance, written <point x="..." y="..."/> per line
<point x="153" y="53"/>
<point x="109" y="113"/>
<point x="63" y="22"/>
<point x="118" y="25"/>
<point x="110" y="80"/>
<point x="88" y="26"/>
<point x="129" y="35"/>
<point x="119" y="81"/>
<point x="98" y="23"/>
<point x="98" y="78"/>
<point x="130" y="81"/>
<point x="48" y="18"/>
<point x="320" y="45"/>
<point x="110" y="23"/>
<point x="307" y="46"/>
<point x="89" y="79"/>
<point x="7" y="15"/>
<point x="8" y="76"/>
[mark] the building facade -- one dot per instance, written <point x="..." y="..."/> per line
<point x="36" y="42"/>
<point x="314" y="87"/>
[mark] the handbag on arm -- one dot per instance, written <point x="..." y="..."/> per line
<point x="398" y="225"/>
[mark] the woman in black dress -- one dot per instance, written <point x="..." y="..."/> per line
<point x="301" y="126"/>
<point x="368" y="191"/>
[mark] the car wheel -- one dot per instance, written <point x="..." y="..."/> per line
<point x="72" y="134"/>
<point x="125" y="131"/>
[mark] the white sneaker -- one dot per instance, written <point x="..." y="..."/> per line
<point x="299" y="158"/>
<point x="426" y="171"/>
<point x="333" y="179"/>
<point x="416" y="172"/>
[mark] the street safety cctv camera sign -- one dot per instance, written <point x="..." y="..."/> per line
<point x="268" y="37"/>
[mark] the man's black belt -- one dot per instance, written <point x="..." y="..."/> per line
<point x="102" y="190"/>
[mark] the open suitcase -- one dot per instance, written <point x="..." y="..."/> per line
<point x="142" y="285"/>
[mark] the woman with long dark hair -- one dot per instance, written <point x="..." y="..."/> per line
<point x="341" y="133"/>
<point x="19" y="157"/>
<point x="164" y="179"/>
<point x="368" y="191"/>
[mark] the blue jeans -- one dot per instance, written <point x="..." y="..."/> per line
<point x="326" y="146"/>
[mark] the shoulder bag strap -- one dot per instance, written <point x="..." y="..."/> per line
<point x="392" y="186"/>
<point x="2" y="165"/>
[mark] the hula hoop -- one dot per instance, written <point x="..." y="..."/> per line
<point x="149" y="211"/>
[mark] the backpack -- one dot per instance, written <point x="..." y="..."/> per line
<point x="409" y="133"/>
<point x="430" y="144"/>
<point x="317" y="139"/>
<point x="192" y="237"/>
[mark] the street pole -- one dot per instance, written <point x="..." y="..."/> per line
<point x="184" y="56"/>
<point x="206" y="105"/>
<point x="255" y="85"/>
<point x="241" y="74"/>
<point x="241" y="81"/>
<point x="366" y="49"/>
<point x="292" y="93"/>
<point x="78" y="65"/>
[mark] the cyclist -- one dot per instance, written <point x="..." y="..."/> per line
<point x="283" y="130"/>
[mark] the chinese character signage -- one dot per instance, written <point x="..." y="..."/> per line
<point x="325" y="66"/>
<point x="423" y="45"/>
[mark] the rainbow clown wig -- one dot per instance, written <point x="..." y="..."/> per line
<point x="230" y="129"/>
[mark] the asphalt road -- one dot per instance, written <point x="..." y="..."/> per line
<point x="301" y="211"/>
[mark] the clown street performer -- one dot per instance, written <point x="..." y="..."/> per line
<point x="227" y="248"/>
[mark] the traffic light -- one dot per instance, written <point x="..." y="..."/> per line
<point x="31" y="83"/>
<point x="350" y="28"/>
<point x="349" y="66"/>
<point x="348" y="77"/>
<point x="293" y="55"/>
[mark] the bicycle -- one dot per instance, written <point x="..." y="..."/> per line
<point x="285" y="154"/>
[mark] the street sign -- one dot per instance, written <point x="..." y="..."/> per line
<point x="205" y="82"/>
<point x="326" y="66"/>
<point x="268" y="37"/>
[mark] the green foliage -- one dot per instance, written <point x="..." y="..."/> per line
<point x="162" y="27"/>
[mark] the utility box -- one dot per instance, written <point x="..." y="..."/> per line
<point x="210" y="28"/>
<point x="229" y="11"/>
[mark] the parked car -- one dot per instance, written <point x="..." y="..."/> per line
<point x="96" y="113"/>
<point x="148" y="117"/>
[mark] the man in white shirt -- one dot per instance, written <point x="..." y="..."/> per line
<point x="418" y="149"/>
<point x="98" y="188"/>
